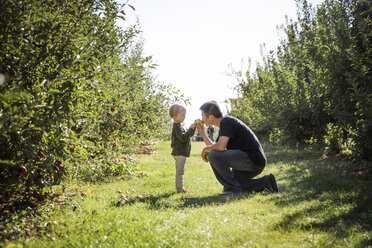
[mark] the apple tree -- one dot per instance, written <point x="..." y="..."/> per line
<point x="74" y="87"/>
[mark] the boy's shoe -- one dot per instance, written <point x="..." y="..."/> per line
<point x="185" y="191"/>
<point x="274" y="186"/>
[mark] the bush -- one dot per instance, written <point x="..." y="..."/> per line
<point x="319" y="75"/>
<point x="74" y="88"/>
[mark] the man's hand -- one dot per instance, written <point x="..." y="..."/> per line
<point x="206" y="159"/>
<point x="205" y="154"/>
<point x="219" y="146"/>
<point x="199" y="125"/>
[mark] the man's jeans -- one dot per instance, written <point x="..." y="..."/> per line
<point x="238" y="178"/>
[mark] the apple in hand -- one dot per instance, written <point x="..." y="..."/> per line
<point x="199" y="122"/>
<point x="206" y="157"/>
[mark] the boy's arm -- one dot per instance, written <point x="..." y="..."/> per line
<point x="183" y="136"/>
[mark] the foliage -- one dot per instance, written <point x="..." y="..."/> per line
<point x="75" y="89"/>
<point x="333" y="139"/>
<point x="320" y="74"/>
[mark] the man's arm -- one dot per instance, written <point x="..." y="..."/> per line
<point x="219" y="146"/>
<point x="206" y="139"/>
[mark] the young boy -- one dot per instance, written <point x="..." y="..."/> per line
<point x="180" y="143"/>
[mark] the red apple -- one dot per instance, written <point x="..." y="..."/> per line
<point x="60" y="166"/>
<point x="112" y="109"/>
<point x="73" y="128"/>
<point x="23" y="171"/>
<point x="108" y="114"/>
<point x="72" y="150"/>
<point x="79" y="129"/>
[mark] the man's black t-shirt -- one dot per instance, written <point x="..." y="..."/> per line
<point x="242" y="138"/>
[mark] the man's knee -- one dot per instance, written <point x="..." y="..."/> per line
<point x="213" y="155"/>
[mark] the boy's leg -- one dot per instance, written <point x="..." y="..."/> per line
<point x="180" y="169"/>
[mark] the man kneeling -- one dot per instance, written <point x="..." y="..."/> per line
<point x="236" y="147"/>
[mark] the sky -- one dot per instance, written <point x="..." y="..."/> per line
<point x="195" y="41"/>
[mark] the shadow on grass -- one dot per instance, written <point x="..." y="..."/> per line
<point x="276" y="154"/>
<point x="329" y="201"/>
<point x="213" y="200"/>
<point x="156" y="202"/>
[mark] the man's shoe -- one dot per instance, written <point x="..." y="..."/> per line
<point x="230" y="192"/>
<point x="274" y="186"/>
<point x="227" y="193"/>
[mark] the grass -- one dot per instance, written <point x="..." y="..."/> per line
<point x="318" y="205"/>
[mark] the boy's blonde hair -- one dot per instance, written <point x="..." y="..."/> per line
<point x="175" y="109"/>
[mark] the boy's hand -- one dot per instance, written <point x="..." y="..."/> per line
<point x="192" y="126"/>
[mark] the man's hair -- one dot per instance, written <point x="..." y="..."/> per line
<point x="211" y="108"/>
<point x="175" y="109"/>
